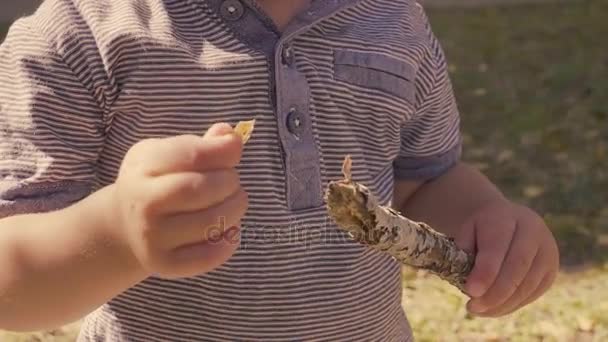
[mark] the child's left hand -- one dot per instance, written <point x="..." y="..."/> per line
<point x="517" y="258"/>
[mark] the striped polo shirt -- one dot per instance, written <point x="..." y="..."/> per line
<point x="81" y="81"/>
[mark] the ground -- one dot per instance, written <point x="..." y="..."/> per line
<point x="576" y="309"/>
<point x="531" y="85"/>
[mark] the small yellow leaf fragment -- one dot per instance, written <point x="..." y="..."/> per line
<point x="244" y="129"/>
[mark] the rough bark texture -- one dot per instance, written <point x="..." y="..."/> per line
<point x="356" y="210"/>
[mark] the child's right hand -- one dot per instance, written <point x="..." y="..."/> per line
<point x="179" y="202"/>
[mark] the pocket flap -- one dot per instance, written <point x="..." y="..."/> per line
<point x="377" y="71"/>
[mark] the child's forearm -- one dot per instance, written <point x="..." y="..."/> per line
<point x="447" y="201"/>
<point x="58" y="266"/>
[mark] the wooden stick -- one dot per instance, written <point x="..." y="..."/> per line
<point x="354" y="208"/>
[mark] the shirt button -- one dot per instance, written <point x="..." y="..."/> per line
<point x="287" y="55"/>
<point x="232" y="10"/>
<point x="295" y="122"/>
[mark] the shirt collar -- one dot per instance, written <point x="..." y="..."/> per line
<point x="252" y="27"/>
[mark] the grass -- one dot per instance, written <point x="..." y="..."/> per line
<point x="575" y="309"/>
<point x="534" y="101"/>
<point x="531" y="85"/>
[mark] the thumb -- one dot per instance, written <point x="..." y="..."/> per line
<point x="218" y="130"/>
<point x="466" y="237"/>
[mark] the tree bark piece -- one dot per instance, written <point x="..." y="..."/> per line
<point x="355" y="209"/>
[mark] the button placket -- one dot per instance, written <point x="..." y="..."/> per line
<point x="290" y="88"/>
<point x="303" y="175"/>
<point x="302" y="159"/>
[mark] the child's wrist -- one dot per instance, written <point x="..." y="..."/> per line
<point x="103" y="209"/>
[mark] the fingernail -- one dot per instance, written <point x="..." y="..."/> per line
<point x="477" y="307"/>
<point x="220" y="129"/>
<point x="476" y="290"/>
<point x="226" y="130"/>
<point x="217" y="140"/>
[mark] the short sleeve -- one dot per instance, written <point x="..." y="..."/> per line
<point x="430" y="141"/>
<point x="50" y="125"/>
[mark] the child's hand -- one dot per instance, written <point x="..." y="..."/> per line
<point x="177" y="199"/>
<point x="517" y="258"/>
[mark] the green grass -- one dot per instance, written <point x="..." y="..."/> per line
<point x="530" y="81"/>
<point x="531" y="86"/>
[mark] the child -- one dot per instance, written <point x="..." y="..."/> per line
<point x="115" y="204"/>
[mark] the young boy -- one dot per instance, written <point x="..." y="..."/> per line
<point x="113" y="202"/>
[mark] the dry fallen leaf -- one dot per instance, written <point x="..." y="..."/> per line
<point x="244" y="129"/>
<point x="602" y="240"/>
<point x="549" y="328"/>
<point x="483" y="67"/>
<point x="505" y="156"/>
<point x="601" y="151"/>
<point x="533" y="191"/>
<point x="585" y="324"/>
<point x="592" y="134"/>
<point x="477" y="152"/>
<point x="561" y="156"/>
<point x="480" y="166"/>
<point x="480" y="92"/>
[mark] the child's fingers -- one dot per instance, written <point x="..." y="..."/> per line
<point x="156" y="157"/>
<point x="551" y="265"/>
<point x="189" y="153"/>
<point x="205" y="225"/>
<point x="493" y="240"/>
<point x="544" y="285"/>
<point x="530" y="283"/>
<point x="192" y="191"/>
<point x="218" y="130"/>
<point x="515" y="267"/>
<point x="204" y="257"/>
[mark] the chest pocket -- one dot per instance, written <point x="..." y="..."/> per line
<point x="371" y="96"/>
<point x="375" y="71"/>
